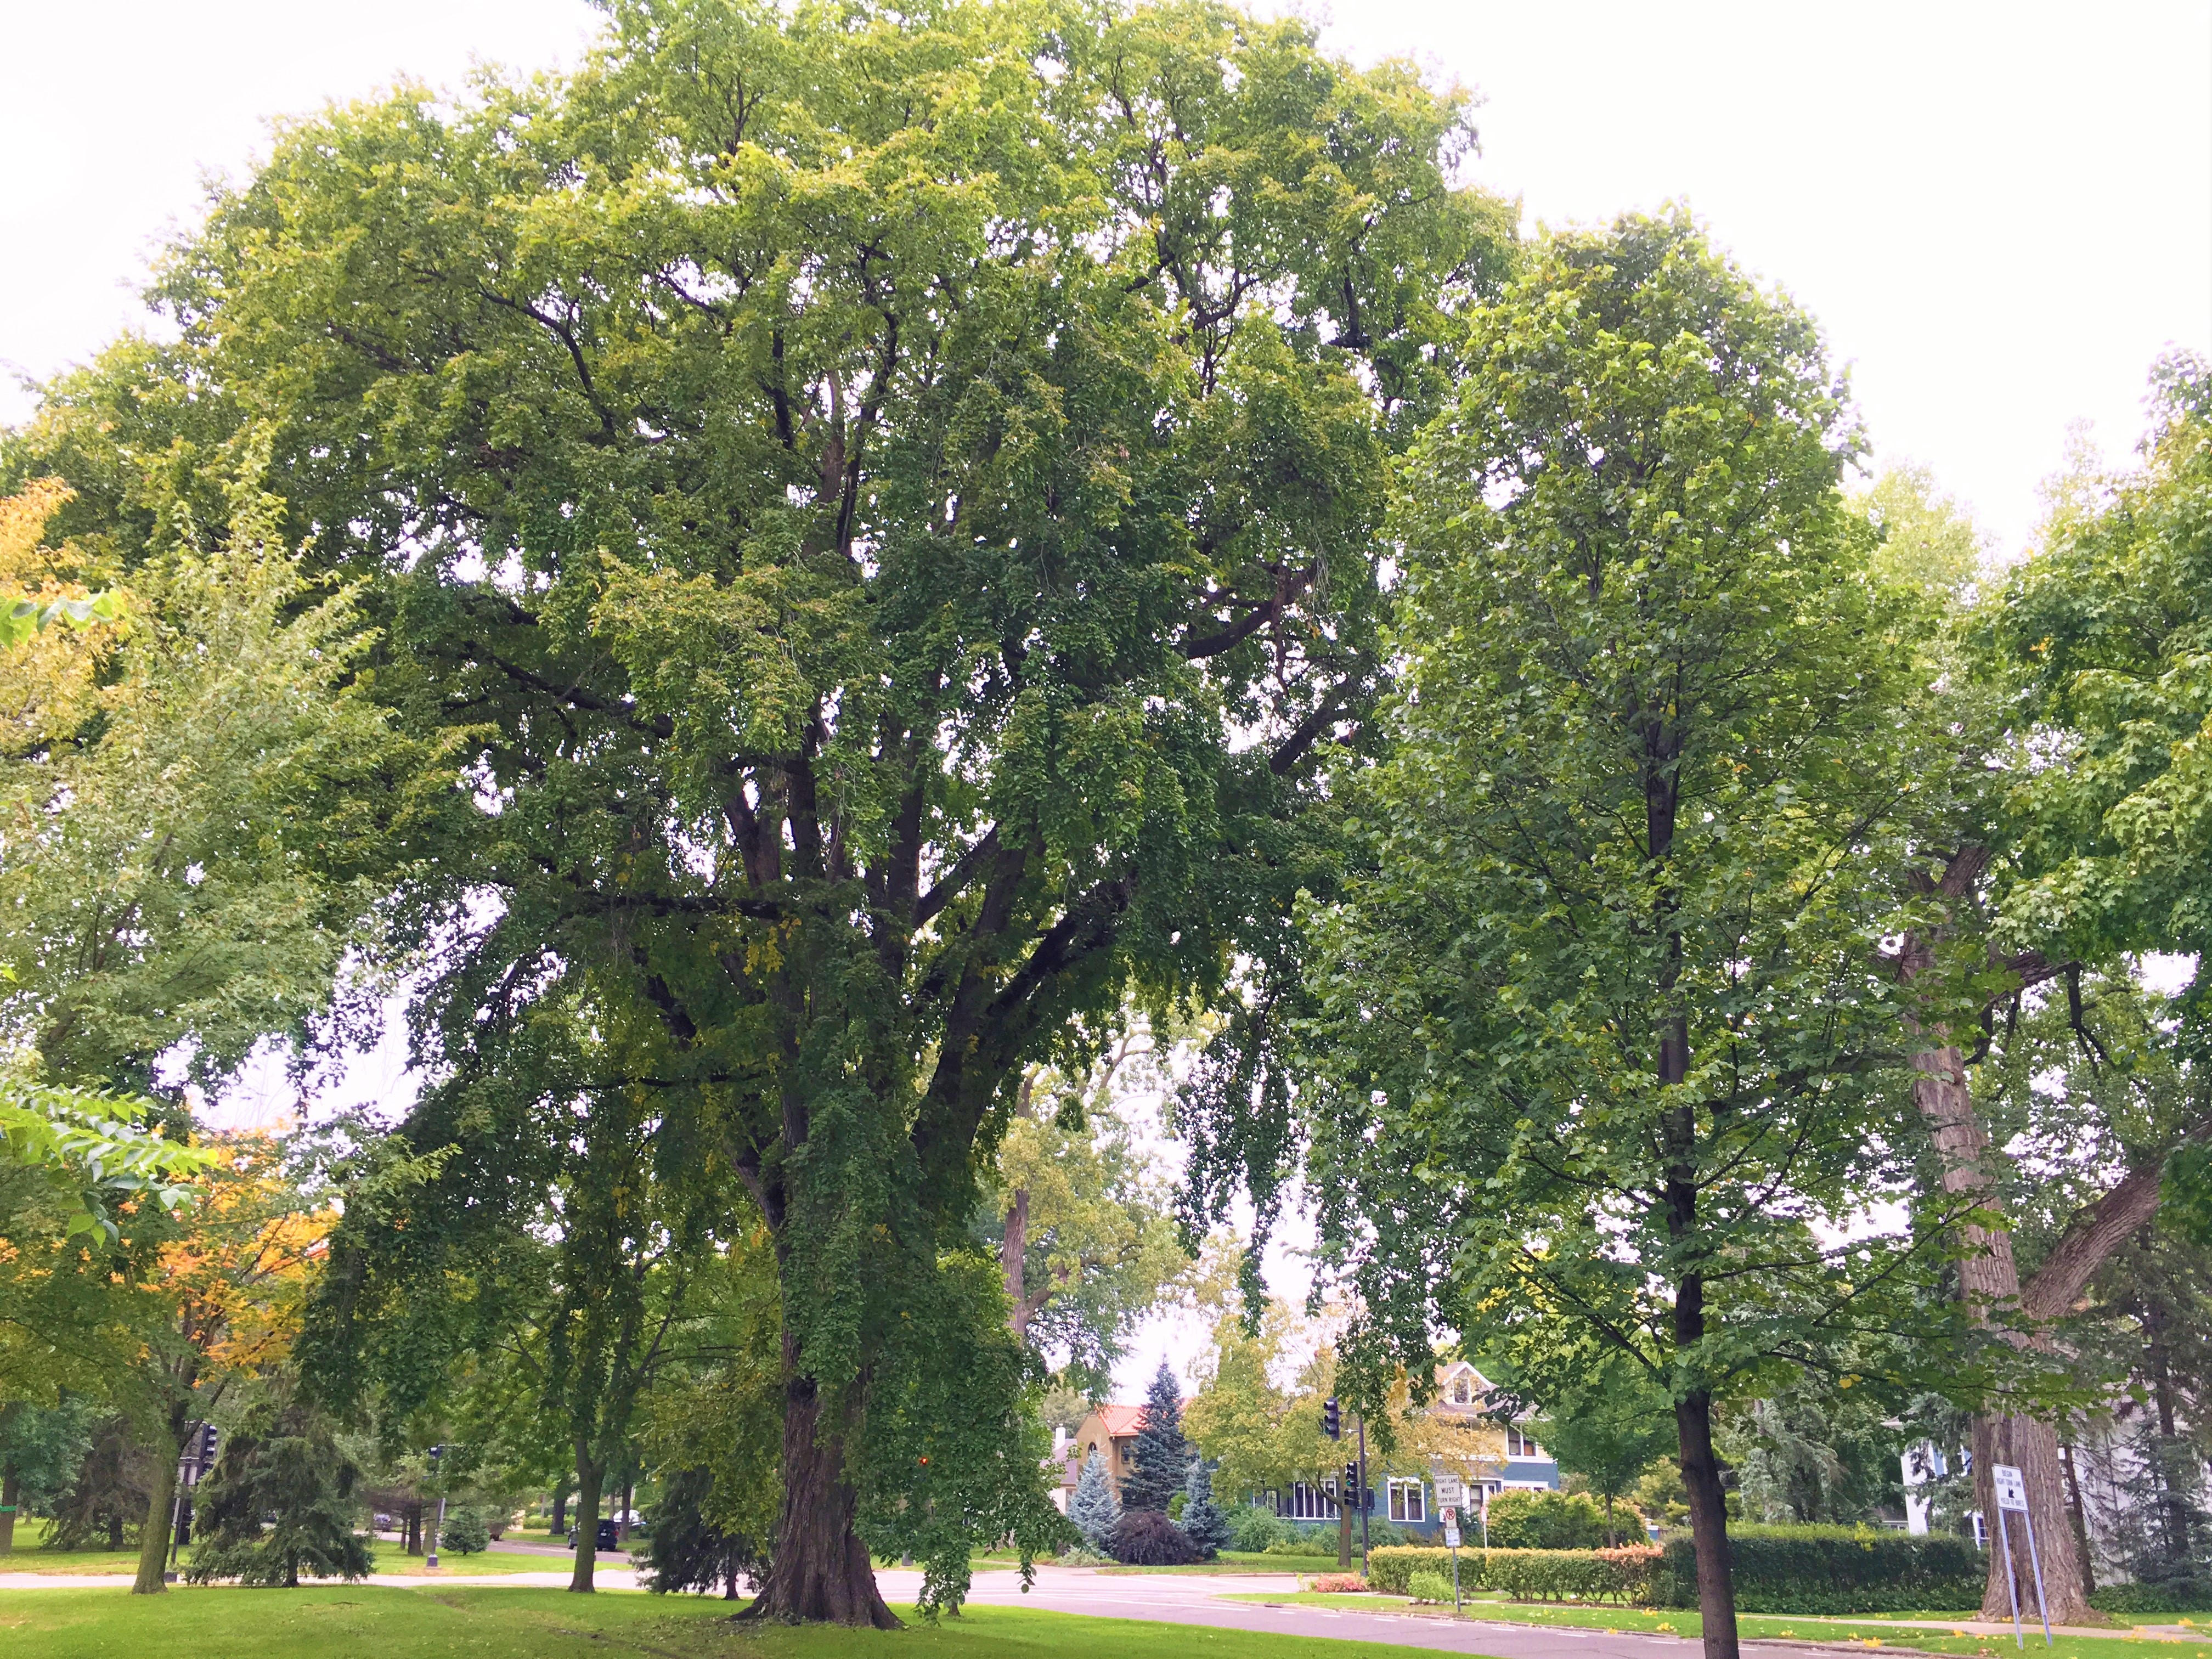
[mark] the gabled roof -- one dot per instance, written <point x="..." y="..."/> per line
<point x="1122" y="1421"/>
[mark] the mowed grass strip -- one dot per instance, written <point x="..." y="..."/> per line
<point x="374" y="1622"/>
<point x="1873" y="1634"/>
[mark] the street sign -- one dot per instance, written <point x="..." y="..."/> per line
<point x="2012" y="1488"/>
<point x="1451" y="1516"/>
<point x="1451" y="1536"/>
<point x="1451" y="1491"/>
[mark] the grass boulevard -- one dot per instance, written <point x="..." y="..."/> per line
<point x="1873" y="1632"/>
<point x="548" y="1623"/>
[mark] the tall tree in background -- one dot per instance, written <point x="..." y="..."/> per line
<point x="883" y="507"/>
<point x="1613" y="998"/>
<point x="1080" y="1214"/>
<point x="1159" y="1461"/>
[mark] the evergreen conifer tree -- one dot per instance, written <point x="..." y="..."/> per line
<point x="1094" y="1509"/>
<point x="1202" y="1522"/>
<point x="287" y="1465"/>
<point x="1162" y="1455"/>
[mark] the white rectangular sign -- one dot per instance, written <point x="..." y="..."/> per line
<point x="2012" y="1488"/>
<point x="1450" y="1493"/>
<point x="1451" y="1537"/>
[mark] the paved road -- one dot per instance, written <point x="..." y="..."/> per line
<point x="1194" y="1599"/>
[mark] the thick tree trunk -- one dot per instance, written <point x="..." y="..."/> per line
<point x="154" y="1537"/>
<point x="560" y="1508"/>
<point x="11" y="1494"/>
<point x="821" y="1573"/>
<point x="589" y="1474"/>
<point x="1989" y="1284"/>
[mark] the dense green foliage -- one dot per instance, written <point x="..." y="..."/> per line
<point x="1826" y="1569"/>
<point x="1626" y="1575"/>
<point x="1159" y="1461"/>
<point x="282" y="1501"/>
<point x="1522" y="1520"/>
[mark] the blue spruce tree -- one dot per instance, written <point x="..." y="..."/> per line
<point x="1094" y="1509"/>
<point x="1204" y="1525"/>
<point x="1162" y="1456"/>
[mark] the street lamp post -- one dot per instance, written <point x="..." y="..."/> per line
<point x="438" y="1525"/>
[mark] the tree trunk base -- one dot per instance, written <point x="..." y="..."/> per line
<point x="821" y="1573"/>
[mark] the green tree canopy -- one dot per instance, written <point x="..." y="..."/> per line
<point x="880" y="508"/>
<point x="1602" y="1037"/>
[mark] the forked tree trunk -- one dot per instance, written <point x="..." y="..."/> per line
<point x="821" y="1573"/>
<point x="1989" y="1284"/>
<point x="589" y="1474"/>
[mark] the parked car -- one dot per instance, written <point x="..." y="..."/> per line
<point x="608" y="1539"/>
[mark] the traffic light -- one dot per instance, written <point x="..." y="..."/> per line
<point x="1332" y="1419"/>
<point x="1352" y="1485"/>
<point x="207" y="1445"/>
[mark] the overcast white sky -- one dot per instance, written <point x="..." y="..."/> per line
<point x="2001" y="213"/>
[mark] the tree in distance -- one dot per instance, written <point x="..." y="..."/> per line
<point x="1159" y="1461"/>
<point x="1202" y="1520"/>
<point x="282" y="1497"/>
<point x="1094" y="1509"/>
<point x="1601" y="1041"/>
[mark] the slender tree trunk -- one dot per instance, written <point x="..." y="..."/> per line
<point x="2080" y="1516"/>
<point x="560" y="1507"/>
<point x="1701" y="1480"/>
<point x="11" y="1494"/>
<point x="410" y="1527"/>
<point x="1989" y="1284"/>
<point x="1011" y="1250"/>
<point x="821" y="1573"/>
<point x="588" y="1477"/>
<point x="629" y="1503"/>
<point x="154" y="1537"/>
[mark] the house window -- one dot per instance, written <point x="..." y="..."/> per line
<point x="1312" y="1502"/>
<point x="1518" y="1444"/>
<point x="1408" y="1501"/>
<point x="1460" y="1392"/>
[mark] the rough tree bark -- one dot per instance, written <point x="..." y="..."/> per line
<point x="1011" y="1250"/>
<point x="589" y="1474"/>
<point x="11" y="1494"/>
<point x="1989" y="1284"/>
<point x="820" y="1572"/>
<point x="154" y="1537"/>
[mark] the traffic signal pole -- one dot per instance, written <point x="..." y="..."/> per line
<point x="1365" y="1503"/>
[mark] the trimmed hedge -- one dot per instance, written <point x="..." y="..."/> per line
<point x="2133" y="1601"/>
<point x="1842" y="1569"/>
<point x="1622" y="1575"/>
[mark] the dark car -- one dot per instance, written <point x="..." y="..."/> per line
<point x="607" y="1538"/>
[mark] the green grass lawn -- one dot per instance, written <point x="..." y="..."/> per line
<point x="27" y="1556"/>
<point x="1873" y="1632"/>
<point x="1232" y="1562"/>
<point x="489" y="1623"/>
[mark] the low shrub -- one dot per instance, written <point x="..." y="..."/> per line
<point x="1830" y="1570"/>
<point x="1146" y="1537"/>
<point x="1338" y="1583"/>
<point x="2135" y="1600"/>
<point x="466" y="1531"/>
<point x="1305" y="1540"/>
<point x="1428" y="1586"/>
<point x="1251" y="1528"/>
<point x="1524" y="1520"/>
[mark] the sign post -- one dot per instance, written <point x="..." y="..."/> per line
<point x="1452" y="1543"/>
<point x="2012" y="1495"/>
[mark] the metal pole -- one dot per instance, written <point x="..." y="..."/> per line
<point x="1363" y="1502"/>
<point x="2034" y="1560"/>
<point x="2004" y="1543"/>
<point x="1455" y="1575"/>
<point x="436" y="1529"/>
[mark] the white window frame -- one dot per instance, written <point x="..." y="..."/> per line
<point x="1409" y="1501"/>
